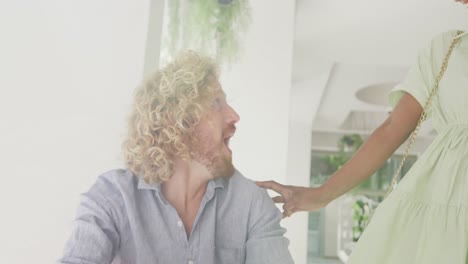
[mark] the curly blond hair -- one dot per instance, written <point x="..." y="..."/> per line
<point x="167" y="107"/>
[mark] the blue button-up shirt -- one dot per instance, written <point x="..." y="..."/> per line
<point x="122" y="219"/>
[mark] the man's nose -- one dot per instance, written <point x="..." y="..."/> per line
<point x="233" y="117"/>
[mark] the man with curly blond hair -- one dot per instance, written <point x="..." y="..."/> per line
<point x="181" y="200"/>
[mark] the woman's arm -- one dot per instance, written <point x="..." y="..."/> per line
<point x="381" y="144"/>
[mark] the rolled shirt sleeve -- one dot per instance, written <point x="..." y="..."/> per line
<point x="266" y="242"/>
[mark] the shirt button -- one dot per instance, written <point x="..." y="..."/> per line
<point x="179" y="223"/>
<point x="190" y="262"/>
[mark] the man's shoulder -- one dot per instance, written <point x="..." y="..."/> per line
<point x="115" y="181"/>
<point x="243" y="186"/>
<point x="246" y="194"/>
<point x="119" y="176"/>
<point x="238" y="180"/>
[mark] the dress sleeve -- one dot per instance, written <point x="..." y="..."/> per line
<point x="422" y="76"/>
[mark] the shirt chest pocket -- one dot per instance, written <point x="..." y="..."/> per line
<point x="229" y="255"/>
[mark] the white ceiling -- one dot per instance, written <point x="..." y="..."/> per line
<point x="369" y="43"/>
<point x="376" y="32"/>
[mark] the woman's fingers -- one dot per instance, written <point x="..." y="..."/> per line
<point x="272" y="185"/>
<point x="287" y="211"/>
<point x="278" y="199"/>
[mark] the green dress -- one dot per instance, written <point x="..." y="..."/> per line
<point x="425" y="219"/>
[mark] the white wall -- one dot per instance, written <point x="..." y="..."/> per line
<point x="154" y="36"/>
<point x="258" y="87"/>
<point x="68" y="69"/>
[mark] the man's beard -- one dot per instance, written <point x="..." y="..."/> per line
<point x="215" y="160"/>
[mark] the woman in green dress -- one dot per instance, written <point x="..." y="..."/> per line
<point x="425" y="219"/>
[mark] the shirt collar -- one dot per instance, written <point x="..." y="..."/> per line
<point x="143" y="185"/>
<point x="209" y="193"/>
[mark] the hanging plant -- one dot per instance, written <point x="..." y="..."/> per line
<point x="350" y="143"/>
<point x="210" y="26"/>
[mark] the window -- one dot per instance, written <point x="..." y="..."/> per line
<point x="325" y="163"/>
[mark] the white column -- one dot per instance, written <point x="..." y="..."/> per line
<point x="304" y="102"/>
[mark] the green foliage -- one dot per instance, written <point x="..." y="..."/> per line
<point x="207" y="26"/>
<point x="173" y="25"/>
<point x="361" y="217"/>
<point x="350" y="143"/>
<point x="347" y="146"/>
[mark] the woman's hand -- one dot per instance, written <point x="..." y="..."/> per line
<point x="296" y="199"/>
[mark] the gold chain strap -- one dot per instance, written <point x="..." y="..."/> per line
<point x="424" y="113"/>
